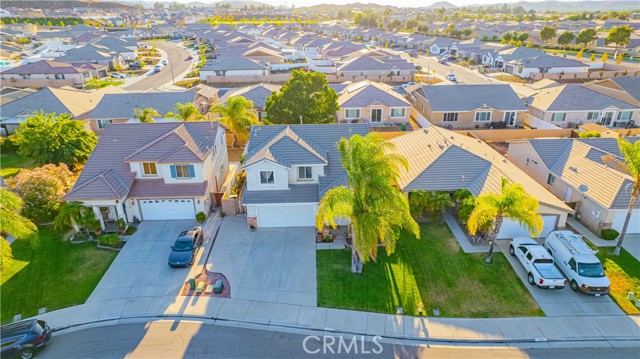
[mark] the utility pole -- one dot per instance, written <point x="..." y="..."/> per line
<point x="173" y="80"/>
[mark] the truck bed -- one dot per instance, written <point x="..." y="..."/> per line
<point x="548" y="271"/>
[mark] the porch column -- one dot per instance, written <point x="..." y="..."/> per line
<point x="96" y="211"/>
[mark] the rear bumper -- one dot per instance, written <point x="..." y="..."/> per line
<point x="595" y="292"/>
<point x="549" y="286"/>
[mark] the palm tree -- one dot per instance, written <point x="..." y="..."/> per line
<point x="12" y="223"/>
<point x="439" y="202"/>
<point x="513" y="203"/>
<point x="631" y="165"/>
<point x="378" y="210"/>
<point x="237" y="116"/>
<point x="186" y="112"/>
<point x="418" y="203"/>
<point x="71" y="214"/>
<point x="145" y="115"/>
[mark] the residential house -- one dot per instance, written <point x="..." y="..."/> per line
<point x="442" y="160"/>
<point x="153" y="171"/>
<point x="440" y="45"/>
<point x="264" y="55"/>
<point x="46" y="73"/>
<point x="544" y="64"/>
<point x="625" y="89"/>
<point x="377" y="68"/>
<point x="374" y="103"/>
<point x="93" y="54"/>
<point x="576" y="172"/>
<point x="289" y="168"/>
<point x="469" y="106"/>
<point x="257" y="94"/>
<point x="234" y="67"/>
<point x="571" y="105"/>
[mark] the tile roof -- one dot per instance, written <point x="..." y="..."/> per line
<point x="575" y="97"/>
<point x="287" y="148"/>
<point x="255" y="93"/>
<point x="46" y="67"/>
<point x="234" y="64"/>
<point x="123" y="105"/>
<point x="157" y="188"/>
<point x="365" y="93"/>
<point x="369" y="63"/>
<point x="543" y="61"/>
<point x="307" y="193"/>
<point x="460" y="98"/>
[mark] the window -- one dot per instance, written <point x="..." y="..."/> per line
<point x="592" y="116"/>
<point x="551" y="179"/>
<point x="529" y="256"/>
<point x="267" y="177"/>
<point x="149" y="169"/>
<point x="624" y="116"/>
<point x="352" y="113"/>
<point x="26" y="76"/>
<point x="450" y="117"/>
<point x="572" y="264"/>
<point x="558" y="117"/>
<point x="398" y="112"/>
<point x="102" y="124"/>
<point x="182" y="171"/>
<point x="59" y="76"/>
<point x="305" y="173"/>
<point x="484" y="116"/>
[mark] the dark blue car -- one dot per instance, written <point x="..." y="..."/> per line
<point x="183" y="250"/>
<point x="24" y="339"/>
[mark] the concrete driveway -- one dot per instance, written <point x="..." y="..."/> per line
<point x="562" y="302"/>
<point x="140" y="272"/>
<point x="275" y="265"/>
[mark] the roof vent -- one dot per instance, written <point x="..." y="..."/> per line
<point x="573" y="169"/>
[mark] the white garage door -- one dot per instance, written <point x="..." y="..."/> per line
<point x="634" y="221"/>
<point x="286" y="216"/>
<point x="167" y="209"/>
<point x="511" y="229"/>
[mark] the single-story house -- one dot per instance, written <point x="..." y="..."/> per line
<point x="544" y="64"/>
<point x="374" y="103"/>
<point x="153" y="171"/>
<point x="46" y="73"/>
<point x="257" y="94"/>
<point x="574" y="170"/>
<point x="234" y="67"/>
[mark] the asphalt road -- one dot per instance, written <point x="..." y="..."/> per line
<point x="463" y="75"/>
<point x="168" y="339"/>
<point x="177" y="57"/>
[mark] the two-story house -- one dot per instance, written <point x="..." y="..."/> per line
<point x="374" y="103"/>
<point x="153" y="171"/>
<point x="288" y="170"/>
<point x="469" y="106"/>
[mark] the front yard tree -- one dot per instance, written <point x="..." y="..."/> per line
<point x="305" y="96"/>
<point x="187" y="112"/>
<point x="70" y="214"/>
<point x="565" y="38"/>
<point x="237" y="115"/>
<point x="513" y="203"/>
<point x="547" y="33"/>
<point x="619" y="35"/>
<point x="378" y="210"/>
<point x="14" y="224"/>
<point x="631" y="165"/>
<point x="47" y="138"/>
<point x="146" y="114"/>
<point x="585" y="37"/>
<point x="41" y="189"/>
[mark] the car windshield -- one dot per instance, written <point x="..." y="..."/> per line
<point x="593" y="270"/>
<point x="184" y="245"/>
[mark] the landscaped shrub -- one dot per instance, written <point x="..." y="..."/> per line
<point x="589" y="134"/>
<point x="81" y="236"/>
<point x="110" y="240"/>
<point x="131" y="230"/>
<point x="188" y="83"/>
<point x="609" y="234"/>
<point x="8" y="144"/>
<point x="201" y="217"/>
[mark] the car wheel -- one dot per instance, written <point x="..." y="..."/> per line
<point x="511" y="251"/>
<point x="574" y="285"/>
<point x="27" y="353"/>
<point x="530" y="279"/>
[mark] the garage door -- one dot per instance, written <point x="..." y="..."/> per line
<point x="286" y="216"/>
<point x="511" y="229"/>
<point x="167" y="209"/>
<point x="634" y="221"/>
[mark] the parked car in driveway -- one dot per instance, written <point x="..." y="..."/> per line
<point x="538" y="263"/>
<point x="24" y="339"/>
<point x="183" y="250"/>
<point x="578" y="262"/>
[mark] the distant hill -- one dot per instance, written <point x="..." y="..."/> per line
<point x="442" y="4"/>
<point x="571" y="6"/>
<point x="356" y="5"/>
<point x="240" y="3"/>
<point x="61" y="4"/>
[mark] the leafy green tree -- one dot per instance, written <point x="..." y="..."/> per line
<point x="411" y="24"/>
<point x="586" y="36"/>
<point x="565" y="38"/>
<point x="395" y="25"/>
<point x="146" y="114"/>
<point x="71" y="214"/>
<point x="47" y="138"/>
<point x="547" y="33"/>
<point x="14" y="224"/>
<point x="513" y="203"/>
<point x="619" y="35"/>
<point x="237" y="115"/>
<point x="418" y="203"/>
<point x="305" y="97"/>
<point x="378" y="210"/>
<point x="187" y="112"/>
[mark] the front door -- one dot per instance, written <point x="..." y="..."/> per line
<point x="108" y="213"/>
<point x="567" y="194"/>
<point x="607" y="118"/>
<point x="376" y="115"/>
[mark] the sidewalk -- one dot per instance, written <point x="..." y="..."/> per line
<point x="631" y="241"/>
<point x="461" y="237"/>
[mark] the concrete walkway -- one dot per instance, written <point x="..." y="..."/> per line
<point x="631" y="241"/>
<point x="461" y="237"/>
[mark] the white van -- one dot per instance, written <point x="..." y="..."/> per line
<point x="578" y="262"/>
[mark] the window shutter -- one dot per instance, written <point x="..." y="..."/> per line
<point x="173" y="171"/>
<point x="192" y="172"/>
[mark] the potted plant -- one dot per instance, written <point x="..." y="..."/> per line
<point x="201" y="217"/>
<point x="121" y="225"/>
<point x="96" y="227"/>
<point x="252" y="228"/>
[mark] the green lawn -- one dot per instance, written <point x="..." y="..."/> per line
<point x="624" y="273"/>
<point x="100" y="83"/>
<point x="432" y="270"/>
<point x="11" y="164"/>
<point x="57" y="274"/>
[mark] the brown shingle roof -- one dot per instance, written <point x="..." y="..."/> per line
<point x="156" y="188"/>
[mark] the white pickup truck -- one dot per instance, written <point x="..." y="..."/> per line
<point x="538" y="263"/>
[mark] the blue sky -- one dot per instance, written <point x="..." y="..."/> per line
<point x="400" y="3"/>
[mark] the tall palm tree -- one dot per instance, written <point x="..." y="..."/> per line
<point x="631" y="165"/>
<point x="513" y="203"/>
<point x="237" y="116"/>
<point x="378" y="210"/>
<point x="71" y="214"/>
<point x="186" y="112"/>
<point x="439" y="202"/>
<point x="418" y="203"/>
<point x="146" y="114"/>
<point x="12" y="223"/>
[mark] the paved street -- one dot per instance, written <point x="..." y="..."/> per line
<point x="464" y="75"/>
<point x="177" y="57"/>
<point x="169" y="339"/>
